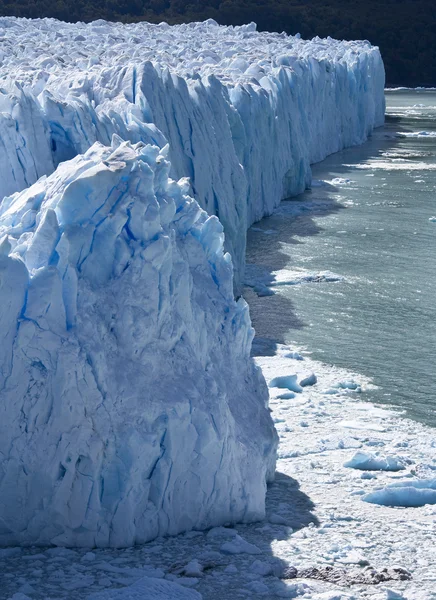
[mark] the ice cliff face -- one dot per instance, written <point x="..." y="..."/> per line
<point x="245" y="113"/>
<point x="130" y="406"/>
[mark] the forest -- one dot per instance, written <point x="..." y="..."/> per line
<point x="405" y="30"/>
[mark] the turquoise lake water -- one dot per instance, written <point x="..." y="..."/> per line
<point x="367" y="220"/>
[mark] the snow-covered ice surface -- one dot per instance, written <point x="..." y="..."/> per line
<point x="319" y="540"/>
<point x="130" y="406"/>
<point x="245" y="113"/>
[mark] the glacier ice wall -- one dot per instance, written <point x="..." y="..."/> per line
<point x="245" y="113"/>
<point x="130" y="406"/>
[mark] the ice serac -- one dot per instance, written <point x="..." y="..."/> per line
<point x="130" y="406"/>
<point x="245" y="113"/>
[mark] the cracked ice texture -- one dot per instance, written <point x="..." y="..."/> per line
<point x="245" y="113"/>
<point x="130" y="406"/>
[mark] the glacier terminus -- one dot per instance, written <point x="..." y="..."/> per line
<point x="133" y="158"/>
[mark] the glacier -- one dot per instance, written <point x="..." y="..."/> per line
<point x="133" y="158"/>
<point x="245" y="113"/>
<point x="130" y="405"/>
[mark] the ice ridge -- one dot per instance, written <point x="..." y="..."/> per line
<point x="245" y="113"/>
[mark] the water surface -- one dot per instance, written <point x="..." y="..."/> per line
<point x="367" y="220"/>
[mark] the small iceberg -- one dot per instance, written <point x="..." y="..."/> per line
<point x="288" y="382"/>
<point x="308" y="379"/>
<point x="288" y="277"/>
<point x="367" y="461"/>
<point x="407" y="494"/>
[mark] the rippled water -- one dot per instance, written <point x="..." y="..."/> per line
<point x="371" y="226"/>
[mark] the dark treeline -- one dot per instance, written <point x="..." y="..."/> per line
<point x="405" y="30"/>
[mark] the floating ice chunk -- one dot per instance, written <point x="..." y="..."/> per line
<point x="341" y="181"/>
<point x="258" y="587"/>
<point x="286" y="396"/>
<point x="332" y="595"/>
<point x="219" y="532"/>
<point x="286" y="381"/>
<point x="88" y="557"/>
<point x="294" y="355"/>
<point x="277" y="519"/>
<point x="393" y="595"/>
<point x="288" y="277"/>
<point x="372" y="462"/>
<point x="363" y="425"/>
<point x="353" y="558"/>
<point x="193" y="569"/>
<point x="432" y="219"/>
<point x="408" y="494"/>
<point x="308" y="380"/>
<point x="417" y="134"/>
<point x="188" y="582"/>
<point x="347" y="385"/>
<point x="261" y="567"/>
<point x="239" y="546"/>
<point x="149" y="588"/>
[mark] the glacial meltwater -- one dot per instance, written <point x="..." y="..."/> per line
<point x="352" y="262"/>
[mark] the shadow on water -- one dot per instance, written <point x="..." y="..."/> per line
<point x="301" y="507"/>
<point x="273" y="314"/>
